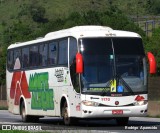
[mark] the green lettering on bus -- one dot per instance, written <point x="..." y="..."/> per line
<point x="42" y="96"/>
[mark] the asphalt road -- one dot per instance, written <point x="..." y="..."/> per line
<point x="52" y="124"/>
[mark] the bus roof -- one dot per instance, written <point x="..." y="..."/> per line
<point x="79" y="32"/>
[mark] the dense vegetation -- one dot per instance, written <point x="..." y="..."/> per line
<point x="23" y="20"/>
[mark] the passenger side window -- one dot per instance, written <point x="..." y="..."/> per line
<point x="43" y="51"/>
<point x="63" y="52"/>
<point x="17" y="59"/>
<point x="34" y="56"/>
<point x="10" y="60"/>
<point x="52" y="60"/>
<point x="25" y="57"/>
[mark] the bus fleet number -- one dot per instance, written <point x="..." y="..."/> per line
<point x="105" y="99"/>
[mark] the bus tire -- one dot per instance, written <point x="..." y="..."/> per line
<point x="122" y="121"/>
<point x="66" y="119"/>
<point x="25" y="118"/>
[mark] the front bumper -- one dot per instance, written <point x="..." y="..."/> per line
<point x="106" y="112"/>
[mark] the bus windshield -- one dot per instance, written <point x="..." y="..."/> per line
<point x="113" y="65"/>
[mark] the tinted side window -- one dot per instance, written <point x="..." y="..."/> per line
<point x="34" y="56"/>
<point x="72" y="59"/>
<point x="63" y="52"/>
<point x="17" y="59"/>
<point x="52" y="53"/>
<point x="10" y="60"/>
<point x="25" y="57"/>
<point x="43" y="51"/>
<point x="72" y="50"/>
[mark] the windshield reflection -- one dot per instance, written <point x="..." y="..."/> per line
<point x="110" y="69"/>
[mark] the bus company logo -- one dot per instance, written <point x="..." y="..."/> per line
<point x="19" y="86"/>
<point x="116" y="102"/>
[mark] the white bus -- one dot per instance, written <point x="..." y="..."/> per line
<point x="84" y="72"/>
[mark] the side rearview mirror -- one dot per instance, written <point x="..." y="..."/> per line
<point x="152" y="63"/>
<point x="79" y="63"/>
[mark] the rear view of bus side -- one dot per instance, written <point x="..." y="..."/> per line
<point x="85" y="72"/>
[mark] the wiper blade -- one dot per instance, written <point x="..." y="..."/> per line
<point x="125" y="84"/>
<point x="105" y="90"/>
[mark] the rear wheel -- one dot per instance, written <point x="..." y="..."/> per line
<point x="27" y="118"/>
<point x="122" y="121"/>
<point x="66" y="119"/>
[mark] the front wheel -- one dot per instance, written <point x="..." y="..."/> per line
<point x="122" y="121"/>
<point x="66" y="119"/>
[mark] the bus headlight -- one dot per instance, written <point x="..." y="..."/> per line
<point x="139" y="103"/>
<point x="90" y="103"/>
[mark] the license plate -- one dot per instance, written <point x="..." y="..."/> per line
<point x="117" y="112"/>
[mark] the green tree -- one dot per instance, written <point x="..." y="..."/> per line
<point x="3" y="65"/>
<point x="37" y="13"/>
<point x="153" y="45"/>
<point x="154" y="7"/>
<point x="74" y="19"/>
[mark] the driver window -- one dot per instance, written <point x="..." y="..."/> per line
<point x="72" y="64"/>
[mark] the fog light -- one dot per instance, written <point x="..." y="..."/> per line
<point x="90" y="112"/>
<point x="85" y="111"/>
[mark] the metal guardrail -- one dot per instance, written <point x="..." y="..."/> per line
<point x="149" y="26"/>
<point x="146" y="23"/>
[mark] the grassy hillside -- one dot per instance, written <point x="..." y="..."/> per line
<point x="32" y="13"/>
<point x="11" y="9"/>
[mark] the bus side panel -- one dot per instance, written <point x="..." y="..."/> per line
<point x="42" y="91"/>
<point x="75" y="103"/>
<point x="65" y="89"/>
<point x="17" y="86"/>
<point x="8" y="86"/>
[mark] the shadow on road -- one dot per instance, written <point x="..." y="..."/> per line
<point x="95" y="124"/>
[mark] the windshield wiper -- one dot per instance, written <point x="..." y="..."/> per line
<point x="125" y="84"/>
<point x="104" y="91"/>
